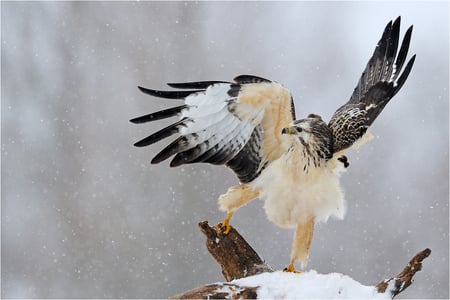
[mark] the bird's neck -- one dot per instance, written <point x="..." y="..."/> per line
<point x="307" y="157"/>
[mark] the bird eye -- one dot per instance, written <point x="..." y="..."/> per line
<point x="299" y="129"/>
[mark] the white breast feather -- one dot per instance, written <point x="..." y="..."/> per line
<point x="292" y="196"/>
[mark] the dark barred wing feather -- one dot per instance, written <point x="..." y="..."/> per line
<point x="208" y="129"/>
<point x="381" y="80"/>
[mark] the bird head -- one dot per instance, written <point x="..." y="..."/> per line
<point x="312" y="132"/>
<point x="306" y="128"/>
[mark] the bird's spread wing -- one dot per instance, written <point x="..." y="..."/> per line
<point x="236" y="123"/>
<point x="381" y="80"/>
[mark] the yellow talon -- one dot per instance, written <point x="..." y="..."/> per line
<point x="226" y="224"/>
<point x="291" y="269"/>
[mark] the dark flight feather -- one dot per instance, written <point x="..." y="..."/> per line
<point x="405" y="73"/>
<point x="180" y="144"/>
<point x="242" y="79"/>
<point x="195" y="84"/>
<point x="162" y="114"/>
<point x="402" y="54"/>
<point x="376" y="87"/>
<point x="168" y="94"/>
<point x="247" y="163"/>
<point x="163" y="133"/>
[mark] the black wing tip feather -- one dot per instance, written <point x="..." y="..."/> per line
<point x="179" y="159"/>
<point x="180" y="146"/>
<point x="197" y="86"/>
<point x="137" y="120"/>
<point x="162" y="134"/>
<point x="168" y="94"/>
<point x="409" y="30"/>
<point x="384" y="92"/>
<point x="167" y="152"/>
<point x="148" y="91"/>
<point x="387" y="45"/>
<point x="396" y="22"/>
<point x="386" y="51"/>
<point x="141" y="143"/>
<point x="402" y="79"/>
<point x="242" y="79"/>
<point x="403" y="52"/>
<point x="194" y="84"/>
<point x="159" y="115"/>
<point x="401" y="58"/>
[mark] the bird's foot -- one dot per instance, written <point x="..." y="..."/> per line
<point x="291" y="269"/>
<point x="225" y="226"/>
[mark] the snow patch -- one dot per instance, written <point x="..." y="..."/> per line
<point x="309" y="285"/>
<point x="228" y="289"/>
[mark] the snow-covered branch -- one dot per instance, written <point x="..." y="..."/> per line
<point x="249" y="277"/>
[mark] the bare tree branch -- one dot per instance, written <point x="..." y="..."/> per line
<point x="405" y="278"/>
<point x="219" y="291"/>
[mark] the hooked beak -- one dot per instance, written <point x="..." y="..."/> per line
<point x="287" y="130"/>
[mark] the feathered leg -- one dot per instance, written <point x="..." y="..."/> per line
<point x="301" y="244"/>
<point x="232" y="200"/>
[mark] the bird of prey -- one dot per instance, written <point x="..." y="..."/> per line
<point x="293" y="165"/>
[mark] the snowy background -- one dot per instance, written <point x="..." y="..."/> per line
<point x="85" y="215"/>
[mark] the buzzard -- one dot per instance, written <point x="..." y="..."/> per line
<point x="293" y="165"/>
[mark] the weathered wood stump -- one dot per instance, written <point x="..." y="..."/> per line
<point x="238" y="260"/>
<point x="234" y="255"/>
